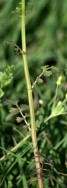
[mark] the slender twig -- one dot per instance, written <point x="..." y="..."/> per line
<point x="17" y="48"/>
<point x="60" y="173"/>
<point x="37" y="79"/>
<point x="28" y="124"/>
<point x="30" y="99"/>
<point x="14" y="148"/>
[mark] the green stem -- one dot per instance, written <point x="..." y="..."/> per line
<point x="30" y="99"/>
<point x="55" y="97"/>
<point x="14" y="148"/>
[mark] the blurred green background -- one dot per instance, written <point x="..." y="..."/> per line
<point x="46" y="34"/>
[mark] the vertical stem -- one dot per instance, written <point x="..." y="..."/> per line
<point x="30" y="99"/>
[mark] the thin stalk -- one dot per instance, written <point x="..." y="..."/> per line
<point x="14" y="148"/>
<point x="30" y="99"/>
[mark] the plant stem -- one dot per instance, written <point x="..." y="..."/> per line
<point x="30" y="99"/>
<point x="14" y="148"/>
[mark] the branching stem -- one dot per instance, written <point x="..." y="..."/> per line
<point x="30" y="99"/>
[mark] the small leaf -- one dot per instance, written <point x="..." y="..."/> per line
<point x="13" y="111"/>
<point x="1" y="93"/>
<point x="19" y="119"/>
<point x="5" y="80"/>
<point x="10" y="101"/>
<point x="47" y="73"/>
<point x="1" y="76"/>
<point x="9" y="70"/>
<point x="39" y="80"/>
<point x="59" y="109"/>
<point x="66" y="95"/>
<point x="53" y="68"/>
<point x="6" y="77"/>
<point x="44" y="68"/>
